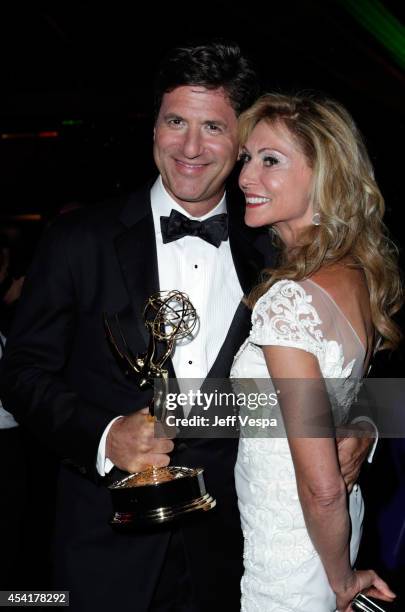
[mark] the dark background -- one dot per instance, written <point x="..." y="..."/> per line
<point x="94" y="64"/>
<point x="76" y="114"/>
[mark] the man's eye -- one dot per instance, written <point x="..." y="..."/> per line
<point x="270" y="160"/>
<point x="213" y="127"/>
<point x="244" y="158"/>
<point x="175" y="122"/>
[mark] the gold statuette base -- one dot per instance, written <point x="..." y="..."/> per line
<point x="162" y="515"/>
<point x="154" y="502"/>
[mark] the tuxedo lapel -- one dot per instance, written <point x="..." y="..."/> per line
<point x="248" y="263"/>
<point x="238" y="332"/>
<point x="137" y="256"/>
<point x="248" y="260"/>
<point x="136" y="252"/>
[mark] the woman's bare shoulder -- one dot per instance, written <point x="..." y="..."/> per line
<point x="342" y="281"/>
<point x="346" y="284"/>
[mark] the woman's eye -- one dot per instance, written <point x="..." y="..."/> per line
<point x="244" y="158"/>
<point x="270" y="160"/>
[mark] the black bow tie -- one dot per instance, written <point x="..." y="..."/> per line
<point x="213" y="230"/>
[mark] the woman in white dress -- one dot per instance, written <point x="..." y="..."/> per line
<point x="306" y="174"/>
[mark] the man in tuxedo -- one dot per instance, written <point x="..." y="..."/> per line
<point x="60" y="378"/>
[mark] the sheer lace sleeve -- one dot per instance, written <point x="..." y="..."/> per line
<point x="285" y="316"/>
<point x="301" y="315"/>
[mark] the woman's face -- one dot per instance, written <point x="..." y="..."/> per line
<point x="276" y="180"/>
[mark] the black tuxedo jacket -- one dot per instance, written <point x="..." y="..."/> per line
<point x="60" y="378"/>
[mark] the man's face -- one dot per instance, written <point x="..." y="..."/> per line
<point x="195" y="146"/>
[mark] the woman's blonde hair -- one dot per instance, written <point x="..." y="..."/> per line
<point x="346" y="197"/>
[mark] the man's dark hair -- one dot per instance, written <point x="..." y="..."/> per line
<point x="211" y="65"/>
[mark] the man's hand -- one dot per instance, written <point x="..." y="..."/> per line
<point x="131" y="444"/>
<point x="353" y="451"/>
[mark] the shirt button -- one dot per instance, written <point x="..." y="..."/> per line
<point x="195" y="266"/>
<point x="190" y="362"/>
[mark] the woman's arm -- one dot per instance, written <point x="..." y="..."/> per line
<point x="322" y="491"/>
<point x="321" y="487"/>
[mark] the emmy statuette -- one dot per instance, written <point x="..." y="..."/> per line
<point x="157" y="495"/>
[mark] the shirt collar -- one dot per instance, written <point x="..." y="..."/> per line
<point x="163" y="203"/>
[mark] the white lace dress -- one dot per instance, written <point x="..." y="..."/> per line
<point x="283" y="572"/>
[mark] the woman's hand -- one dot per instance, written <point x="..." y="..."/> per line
<point x="366" y="582"/>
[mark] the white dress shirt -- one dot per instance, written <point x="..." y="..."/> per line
<point x="207" y="275"/>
